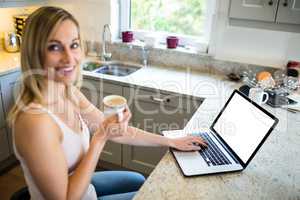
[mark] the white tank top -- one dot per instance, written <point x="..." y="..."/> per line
<point x="73" y="145"/>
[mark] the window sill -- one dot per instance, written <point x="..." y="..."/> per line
<point x="162" y="47"/>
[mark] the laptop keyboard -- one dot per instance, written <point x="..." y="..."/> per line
<point x="212" y="154"/>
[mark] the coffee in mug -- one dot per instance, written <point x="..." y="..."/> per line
<point x="114" y="105"/>
<point x="258" y="95"/>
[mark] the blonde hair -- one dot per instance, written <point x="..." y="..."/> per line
<point x="39" y="26"/>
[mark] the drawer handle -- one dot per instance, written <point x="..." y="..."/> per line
<point x="159" y="99"/>
<point x="285" y="3"/>
<point x="270" y="3"/>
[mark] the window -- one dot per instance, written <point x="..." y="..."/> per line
<point x="190" y="20"/>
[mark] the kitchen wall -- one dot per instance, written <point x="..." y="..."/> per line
<point x="248" y="45"/>
<point x="6" y="18"/>
<point x="91" y="14"/>
<point x="253" y="46"/>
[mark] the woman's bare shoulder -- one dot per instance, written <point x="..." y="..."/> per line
<point x="35" y="127"/>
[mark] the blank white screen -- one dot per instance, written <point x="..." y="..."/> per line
<point x="243" y="126"/>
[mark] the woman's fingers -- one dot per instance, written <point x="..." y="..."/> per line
<point x="198" y="140"/>
<point x="111" y="119"/>
<point x="126" y="116"/>
<point x="190" y="143"/>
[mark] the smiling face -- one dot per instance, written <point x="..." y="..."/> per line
<point x="63" y="53"/>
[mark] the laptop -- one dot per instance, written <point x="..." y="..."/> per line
<point x="235" y="136"/>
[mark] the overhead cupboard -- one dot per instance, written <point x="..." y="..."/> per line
<point x="274" y="14"/>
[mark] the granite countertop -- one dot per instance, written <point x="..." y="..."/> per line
<point x="9" y="62"/>
<point x="185" y="81"/>
<point x="274" y="173"/>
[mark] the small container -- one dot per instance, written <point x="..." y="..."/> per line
<point x="19" y="21"/>
<point x="127" y="36"/>
<point x="11" y="42"/>
<point x="172" y="42"/>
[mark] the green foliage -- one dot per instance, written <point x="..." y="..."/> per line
<point x="175" y="16"/>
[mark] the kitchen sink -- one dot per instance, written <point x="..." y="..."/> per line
<point x="114" y="68"/>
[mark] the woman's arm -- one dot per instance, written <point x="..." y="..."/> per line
<point x="92" y="116"/>
<point x="135" y="136"/>
<point x="38" y="141"/>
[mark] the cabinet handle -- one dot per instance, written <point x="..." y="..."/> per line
<point x="270" y="3"/>
<point x="285" y="3"/>
<point x="159" y="99"/>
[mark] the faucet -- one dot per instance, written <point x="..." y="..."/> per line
<point x="105" y="56"/>
<point x="145" y="55"/>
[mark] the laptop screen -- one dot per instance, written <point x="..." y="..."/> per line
<point x="243" y="125"/>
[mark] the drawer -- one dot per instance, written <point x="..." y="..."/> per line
<point x="95" y="91"/>
<point x="101" y="86"/>
<point x="178" y="101"/>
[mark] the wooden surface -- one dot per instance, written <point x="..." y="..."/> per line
<point x="10" y="182"/>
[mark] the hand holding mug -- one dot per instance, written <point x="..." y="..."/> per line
<point x="113" y="127"/>
<point x="114" y="105"/>
<point x="117" y="116"/>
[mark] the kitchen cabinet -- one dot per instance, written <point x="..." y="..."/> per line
<point x="8" y="84"/>
<point x="17" y="3"/>
<point x="4" y="148"/>
<point x="9" y="91"/>
<point x="273" y="11"/>
<point x="264" y="10"/>
<point x="95" y="91"/>
<point x="155" y="111"/>
<point x="4" y="144"/>
<point x="2" y="117"/>
<point x="289" y="12"/>
<point x="152" y="110"/>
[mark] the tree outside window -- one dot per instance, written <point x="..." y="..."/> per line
<point x="184" y="17"/>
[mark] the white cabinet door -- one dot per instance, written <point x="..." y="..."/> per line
<point x="262" y="10"/>
<point x="289" y="12"/>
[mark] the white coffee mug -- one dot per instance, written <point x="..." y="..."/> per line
<point x="258" y="95"/>
<point x="114" y="105"/>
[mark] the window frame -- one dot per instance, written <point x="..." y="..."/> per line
<point x="201" y="42"/>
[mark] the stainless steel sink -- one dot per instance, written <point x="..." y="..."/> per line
<point x="114" y="68"/>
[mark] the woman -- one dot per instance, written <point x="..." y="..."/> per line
<point x="52" y="120"/>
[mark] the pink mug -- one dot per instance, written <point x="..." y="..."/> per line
<point x="172" y="42"/>
<point x="127" y="36"/>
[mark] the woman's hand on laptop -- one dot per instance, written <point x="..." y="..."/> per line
<point x="188" y="143"/>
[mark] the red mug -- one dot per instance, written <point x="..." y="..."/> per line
<point x="172" y="42"/>
<point x="127" y="36"/>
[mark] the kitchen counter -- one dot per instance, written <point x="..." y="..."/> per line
<point x="184" y="81"/>
<point x="9" y="62"/>
<point x="274" y="173"/>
